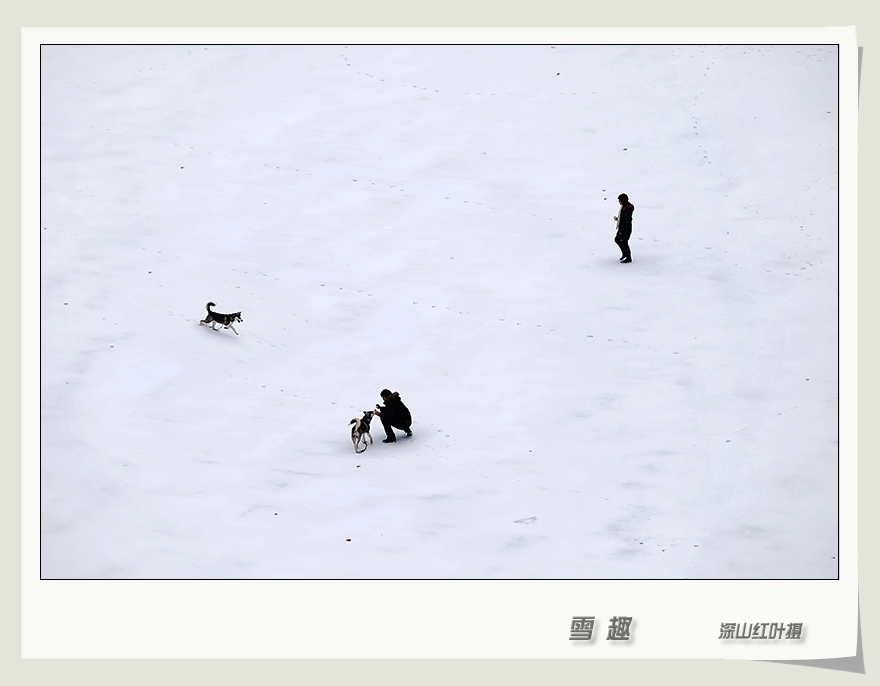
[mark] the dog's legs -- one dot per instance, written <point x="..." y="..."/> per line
<point x="233" y="328"/>
<point x="370" y="437"/>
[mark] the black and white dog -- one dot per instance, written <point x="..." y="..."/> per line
<point x="360" y="432"/>
<point x="225" y="320"/>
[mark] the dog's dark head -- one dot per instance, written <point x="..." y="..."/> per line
<point x="237" y="317"/>
<point x="365" y="420"/>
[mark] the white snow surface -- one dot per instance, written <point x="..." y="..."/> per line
<point x="438" y="220"/>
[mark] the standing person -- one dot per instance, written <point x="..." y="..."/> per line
<point x="394" y="415"/>
<point x="624" y="227"/>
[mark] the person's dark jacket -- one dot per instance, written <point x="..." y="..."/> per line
<point x="626" y="218"/>
<point x="395" y="412"/>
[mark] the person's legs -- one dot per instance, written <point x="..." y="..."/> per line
<point x="389" y="432"/>
<point x="622" y="241"/>
<point x="389" y="427"/>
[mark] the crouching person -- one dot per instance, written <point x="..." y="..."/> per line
<point x="394" y="415"/>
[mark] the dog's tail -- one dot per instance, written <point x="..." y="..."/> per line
<point x="210" y="305"/>
<point x="353" y="421"/>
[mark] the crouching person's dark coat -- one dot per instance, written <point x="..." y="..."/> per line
<point x="395" y="412"/>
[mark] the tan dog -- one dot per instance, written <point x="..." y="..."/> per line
<point x="360" y="432"/>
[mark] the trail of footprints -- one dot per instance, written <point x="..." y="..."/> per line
<point x="368" y="75"/>
<point x="447" y="198"/>
<point x="511" y="322"/>
<point x="463" y="313"/>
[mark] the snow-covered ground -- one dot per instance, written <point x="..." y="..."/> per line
<point x="438" y="221"/>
